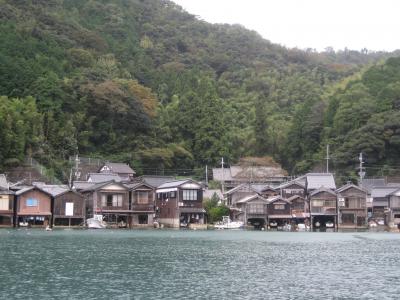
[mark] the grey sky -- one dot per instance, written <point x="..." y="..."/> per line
<point x="355" y="24"/>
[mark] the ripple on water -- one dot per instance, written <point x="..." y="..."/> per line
<point x="171" y="264"/>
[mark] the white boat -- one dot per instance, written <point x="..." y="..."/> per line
<point x="96" y="222"/>
<point x="23" y="224"/>
<point x="273" y="224"/>
<point x="226" y="223"/>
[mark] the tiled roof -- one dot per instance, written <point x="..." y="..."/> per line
<point x="120" y="168"/>
<point x="103" y="177"/>
<point x="81" y="185"/>
<point x="350" y="185"/>
<point x="380" y="192"/>
<point x="323" y="189"/>
<point x="318" y="180"/>
<point x="173" y="184"/>
<point x="101" y="184"/>
<point x="369" y="183"/>
<point x="238" y="173"/>
<point x="54" y="190"/>
<point x="156" y="181"/>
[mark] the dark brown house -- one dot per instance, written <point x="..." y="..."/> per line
<point x="292" y="188"/>
<point x="68" y="205"/>
<point x="352" y="206"/>
<point x="251" y="210"/>
<point x="323" y="207"/>
<point x="180" y="203"/>
<point x="33" y="207"/>
<point x="109" y="199"/>
<point x="299" y="209"/>
<point x="142" y="204"/>
<point x="279" y="212"/>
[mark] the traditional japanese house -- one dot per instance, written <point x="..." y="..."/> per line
<point x="252" y="210"/>
<point x="154" y="180"/>
<point x="315" y="181"/>
<point x="68" y="205"/>
<point x="239" y="192"/>
<point x="352" y="206"/>
<point x="142" y="204"/>
<point x="33" y="207"/>
<point x="394" y="209"/>
<point x="380" y="203"/>
<point x="279" y="211"/>
<point x="291" y="188"/>
<point x="265" y="191"/>
<point x="180" y="203"/>
<point x="124" y="171"/>
<point x="368" y="184"/>
<point x="109" y="199"/>
<point x="323" y="207"/>
<point x="300" y="209"/>
<point x="6" y="207"/>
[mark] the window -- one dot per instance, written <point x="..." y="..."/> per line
<point x="4" y="203"/>
<point x="31" y="202"/>
<point x="111" y="200"/>
<point x="256" y="208"/>
<point x="298" y="205"/>
<point x="172" y="194"/>
<point x="318" y="202"/>
<point x="279" y="206"/>
<point x="189" y="194"/>
<point x="142" y="197"/>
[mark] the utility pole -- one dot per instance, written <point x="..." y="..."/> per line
<point x="362" y="172"/>
<point x="327" y="158"/>
<point x="207" y="176"/>
<point x="222" y="185"/>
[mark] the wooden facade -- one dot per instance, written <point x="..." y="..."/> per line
<point x="279" y="211"/>
<point x="68" y="209"/>
<point x="323" y="207"/>
<point x="394" y="209"/>
<point x="300" y="209"/>
<point x="110" y="199"/>
<point x="291" y="189"/>
<point x="33" y="206"/>
<point x="352" y="206"/>
<point x="142" y="204"/>
<point x="180" y="203"/>
<point x="6" y="208"/>
<point x="252" y="210"/>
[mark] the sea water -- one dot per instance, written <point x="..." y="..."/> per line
<point x="182" y="264"/>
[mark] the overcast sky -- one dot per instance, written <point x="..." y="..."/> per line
<point x="355" y="24"/>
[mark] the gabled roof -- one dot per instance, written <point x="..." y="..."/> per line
<point x="176" y="183"/>
<point x="120" y="168"/>
<point x="318" y="180"/>
<point x="289" y="183"/>
<point x="380" y="192"/>
<point x="29" y="188"/>
<point x="155" y="180"/>
<point x="3" y="182"/>
<point x="103" y="177"/>
<point x="349" y="186"/>
<point x="133" y="186"/>
<point x="239" y="173"/>
<point x="81" y="185"/>
<point x="54" y="190"/>
<point x="103" y="184"/>
<point x="290" y="199"/>
<point x="369" y="183"/>
<point x="276" y="198"/>
<point x="250" y="198"/>
<point x="321" y="190"/>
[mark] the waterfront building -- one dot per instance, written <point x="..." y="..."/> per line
<point x="33" y="207"/>
<point x="111" y="200"/>
<point x="323" y="207"/>
<point x="180" y="203"/>
<point x="291" y="188"/>
<point x="394" y="209"/>
<point x="251" y="210"/>
<point x="142" y="204"/>
<point x="6" y="203"/>
<point x="278" y="212"/>
<point x="300" y="209"/>
<point x="380" y="203"/>
<point x="68" y="205"/>
<point x="352" y="206"/>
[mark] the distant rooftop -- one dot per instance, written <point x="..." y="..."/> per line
<point x="256" y="173"/>
<point x="319" y="180"/>
<point x="103" y="177"/>
<point x="120" y="168"/>
<point x="3" y="182"/>
<point x="155" y="180"/>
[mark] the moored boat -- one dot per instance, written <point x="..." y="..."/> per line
<point x="226" y="223"/>
<point x="96" y="222"/>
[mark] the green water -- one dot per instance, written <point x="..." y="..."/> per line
<point x="168" y="264"/>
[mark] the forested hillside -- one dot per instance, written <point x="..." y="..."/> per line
<point x="147" y="83"/>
